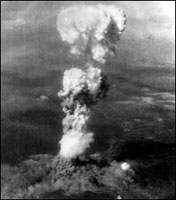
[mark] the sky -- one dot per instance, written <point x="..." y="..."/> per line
<point x="33" y="55"/>
<point x="149" y="36"/>
<point x="34" y="58"/>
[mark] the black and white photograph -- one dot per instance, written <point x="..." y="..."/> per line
<point x="88" y="100"/>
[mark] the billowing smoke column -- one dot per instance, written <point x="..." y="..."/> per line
<point x="81" y="90"/>
<point x="91" y="31"/>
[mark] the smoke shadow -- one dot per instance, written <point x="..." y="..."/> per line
<point x="153" y="160"/>
<point x="103" y="133"/>
<point x="34" y="131"/>
<point x="39" y="116"/>
<point x="140" y="149"/>
<point x="85" y="195"/>
<point x="22" y="141"/>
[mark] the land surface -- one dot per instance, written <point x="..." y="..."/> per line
<point x="135" y="123"/>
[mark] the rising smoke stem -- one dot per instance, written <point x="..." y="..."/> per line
<point x="81" y="90"/>
<point x="91" y="31"/>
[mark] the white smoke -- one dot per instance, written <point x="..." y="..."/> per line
<point x="92" y="31"/>
<point x="80" y="90"/>
<point x="76" y="80"/>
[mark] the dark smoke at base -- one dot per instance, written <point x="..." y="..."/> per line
<point x="93" y="37"/>
<point x="43" y="176"/>
<point x="89" y="36"/>
<point x="34" y="178"/>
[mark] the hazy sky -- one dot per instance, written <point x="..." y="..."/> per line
<point x="29" y="29"/>
<point x="33" y="57"/>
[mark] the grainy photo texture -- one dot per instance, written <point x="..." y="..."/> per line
<point x="87" y="100"/>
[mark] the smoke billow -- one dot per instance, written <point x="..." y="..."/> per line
<point x="91" y="31"/>
<point x="81" y="89"/>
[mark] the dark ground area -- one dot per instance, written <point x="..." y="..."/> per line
<point x="135" y="123"/>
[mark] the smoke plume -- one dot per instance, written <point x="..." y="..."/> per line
<point x="91" y="31"/>
<point x="81" y="89"/>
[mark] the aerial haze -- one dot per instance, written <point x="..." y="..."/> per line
<point x="136" y="117"/>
